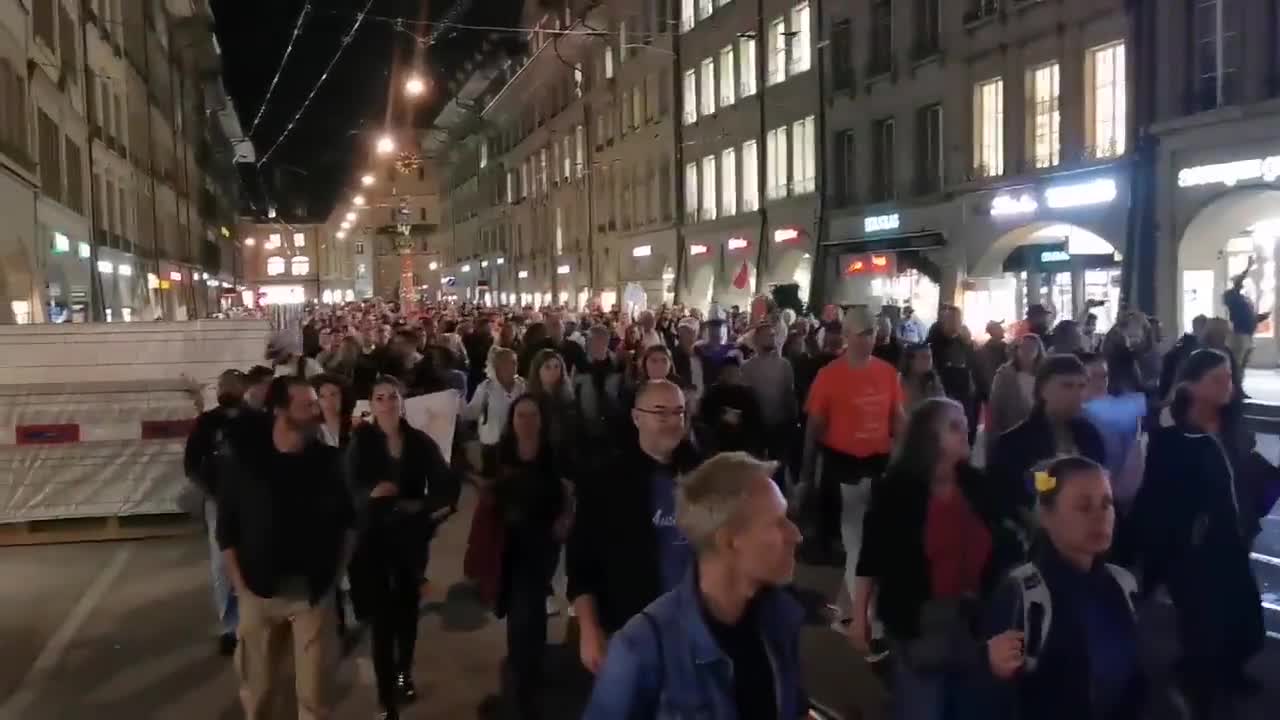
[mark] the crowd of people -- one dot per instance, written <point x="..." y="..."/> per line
<point x="1004" y="510"/>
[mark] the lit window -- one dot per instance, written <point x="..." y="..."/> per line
<point x="704" y="9"/>
<point x="709" y="188"/>
<point x="300" y="265"/>
<point x="777" y="50"/>
<point x="559" y="231"/>
<point x="1046" y="146"/>
<point x="608" y="62"/>
<point x="690" y="114"/>
<point x="727" y="87"/>
<point x="691" y="192"/>
<point x="750" y="177"/>
<point x="746" y="67"/>
<point x="61" y="243"/>
<point x="775" y="164"/>
<point x="729" y="182"/>
<point x="803" y="157"/>
<point x="988" y="128"/>
<point x="299" y="240"/>
<point x="273" y="241"/>
<point x="580" y="150"/>
<point x="707" y="99"/>
<point x="686" y="15"/>
<point x="275" y="266"/>
<point x="800" y="52"/>
<point x="1107" y="131"/>
<point x="484" y="152"/>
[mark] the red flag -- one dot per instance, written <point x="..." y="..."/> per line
<point x="743" y="277"/>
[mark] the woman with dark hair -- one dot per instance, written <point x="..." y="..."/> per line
<point x="919" y="381"/>
<point x="536" y="509"/>
<point x="1194" y="520"/>
<point x="1013" y="388"/>
<point x="1062" y="630"/>
<point x="403" y="489"/>
<point x="935" y="543"/>
<point x="336" y="405"/>
<point x="1056" y="426"/>
<point x="548" y="381"/>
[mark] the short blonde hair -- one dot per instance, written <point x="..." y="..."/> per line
<point x="711" y="497"/>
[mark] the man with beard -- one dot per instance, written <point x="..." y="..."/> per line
<point x="286" y="528"/>
<point x="684" y="356"/>
<point x="200" y="461"/>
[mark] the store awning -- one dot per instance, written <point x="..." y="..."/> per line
<point x="889" y="243"/>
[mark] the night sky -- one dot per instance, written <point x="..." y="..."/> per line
<point x="333" y="137"/>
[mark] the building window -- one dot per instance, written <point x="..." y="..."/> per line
<point x="50" y="144"/>
<point x="709" y="188"/>
<point x="988" y="128"/>
<point x="566" y="158"/>
<point x="691" y="192"/>
<point x="928" y="27"/>
<point x="750" y="176"/>
<point x="559" y="231"/>
<point x="42" y="22"/>
<point x="1046" y="145"/>
<point x="704" y="9"/>
<point x="542" y="171"/>
<point x="777" y="52"/>
<point x="746" y="67"/>
<point x="273" y="241"/>
<point x="845" y="170"/>
<point x="842" y="55"/>
<point x="299" y="265"/>
<point x="299" y="240"/>
<point x="1107" y="101"/>
<point x="686" y="15"/>
<point x="801" y="58"/>
<point x="690" y="113"/>
<point x="623" y="50"/>
<point x="637" y="106"/>
<point x="883" y="156"/>
<point x="75" y="178"/>
<point x="511" y="187"/>
<point x="881" y="60"/>
<point x="484" y="152"/>
<point x="608" y="62"/>
<point x="664" y="188"/>
<point x="580" y="150"/>
<point x="275" y="266"/>
<point x="775" y="164"/>
<point x="729" y="182"/>
<point x="524" y="179"/>
<point x="929" y="166"/>
<point x="664" y="84"/>
<point x="727" y="85"/>
<point x="803" y="158"/>
<point x="1217" y="52"/>
<point x="359" y="247"/>
<point x="707" y="89"/>
<point x="67" y="45"/>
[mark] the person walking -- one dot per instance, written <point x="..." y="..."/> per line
<point x="919" y="381"/>
<point x="200" y="461"/>
<point x="549" y="382"/>
<point x="492" y="403"/>
<point x="598" y="393"/>
<point x="956" y="362"/>
<point x="1013" y="389"/>
<point x="402" y="489"/>
<point x="336" y="406"/>
<point x="772" y="381"/>
<point x="286" y="529"/>
<point x="536" y="507"/>
<point x="625" y="549"/>
<point x="729" y="610"/>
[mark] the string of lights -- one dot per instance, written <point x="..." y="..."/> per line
<point x="266" y="100"/>
<point x="346" y="40"/>
<point x="400" y="22"/>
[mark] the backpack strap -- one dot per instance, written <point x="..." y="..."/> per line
<point x="1128" y="585"/>
<point x="1037" y="611"/>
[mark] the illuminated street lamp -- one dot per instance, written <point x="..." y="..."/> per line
<point x="340" y="234"/>
<point x="386" y="145"/>
<point x="351" y="216"/>
<point x="345" y="225"/>
<point x="414" y="86"/>
<point x="358" y="201"/>
<point x="366" y="180"/>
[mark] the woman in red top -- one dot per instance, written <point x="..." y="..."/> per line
<point x="934" y="546"/>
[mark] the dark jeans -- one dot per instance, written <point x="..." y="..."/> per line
<point x="526" y="641"/>
<point x="389" y="578"/>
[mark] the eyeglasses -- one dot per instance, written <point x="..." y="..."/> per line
<point x="666" y="413"/>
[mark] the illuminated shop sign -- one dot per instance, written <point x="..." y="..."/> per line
<point x="786" y="235"/>
<point x="1052" y="256"/>
<point x="737" y="243"/>
<point x="1266" y="169"/>
<point x="1058" y="197"/>
<point x="697" y="249"/>
<point x="881" y="223"/>
<point x="870" y="263"/>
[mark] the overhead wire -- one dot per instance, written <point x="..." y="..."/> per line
<point x="297" y="30"/>
<point x="346" y="40"/>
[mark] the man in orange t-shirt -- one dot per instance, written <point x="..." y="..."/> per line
<point x="855" y="410"/>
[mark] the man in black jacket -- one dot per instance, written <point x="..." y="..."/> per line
<point x="956" y="363"/>
<point x="625" y="549"/>
<point x="286" y="527"/>
<point x="200" y="461"/>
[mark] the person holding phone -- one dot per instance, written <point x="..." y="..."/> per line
<point x="1062" y="630"/>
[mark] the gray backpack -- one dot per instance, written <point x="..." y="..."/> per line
<point x="1037" y="605"/>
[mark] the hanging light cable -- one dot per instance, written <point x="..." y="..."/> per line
<point x="297" y="30"/>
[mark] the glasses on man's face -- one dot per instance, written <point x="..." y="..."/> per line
<point x="664" y="413"/>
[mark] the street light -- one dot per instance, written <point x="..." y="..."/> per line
<point x="414" y="86"/>
<point x="345" y="225"/>
<point x="386" y="145"/>
<point x="366" y="180"/>
<point x="351" y="215"/>
<point x="358" y="201"/>
<point x="340" y="234"/>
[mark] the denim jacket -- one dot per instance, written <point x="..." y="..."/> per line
<point x="665" y="665"/>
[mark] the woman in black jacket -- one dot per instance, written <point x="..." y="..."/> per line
<point x="1056" y="426"/>
<point x="403" y="488"/>
<point x="1195" y="519"/>
<point x="934" y="545"/>
<point x="536" y="511"/>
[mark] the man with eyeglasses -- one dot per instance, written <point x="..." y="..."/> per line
<point x="625" y="549"/>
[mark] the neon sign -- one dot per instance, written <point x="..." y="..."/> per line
<point x="697" y="249"/>
<point x="1096" y="192"/>
<point x="737" y="243"/>
<point x="1266" y="169"/>
<point x="1006" y="205"/>
<point x="881" y="223"/>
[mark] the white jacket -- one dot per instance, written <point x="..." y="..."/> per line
<point x="490" y="405"/>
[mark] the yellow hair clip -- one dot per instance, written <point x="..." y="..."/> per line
<point x="1045" y="482"/>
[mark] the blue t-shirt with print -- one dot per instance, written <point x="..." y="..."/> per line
<point x="674" y="553"/>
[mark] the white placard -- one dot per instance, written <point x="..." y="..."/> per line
<point x="435" y="414"/>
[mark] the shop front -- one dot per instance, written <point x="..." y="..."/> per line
<point x="1055" y="244"/>
<point x="647" y="265"/>
<point x="67" y="279"/>
<point x="790" y="259"/>
<point x="1223" y="206"/>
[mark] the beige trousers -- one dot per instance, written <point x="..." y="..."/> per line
<point x="266" y="626"/>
